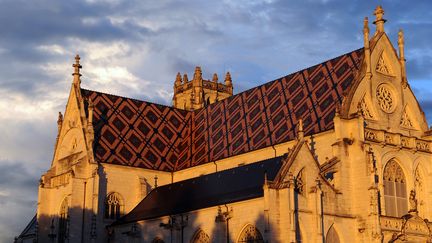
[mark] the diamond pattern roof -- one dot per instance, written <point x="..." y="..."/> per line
<point x="143" y="134"/>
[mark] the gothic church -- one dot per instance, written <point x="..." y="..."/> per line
<point x="338" y="152"/>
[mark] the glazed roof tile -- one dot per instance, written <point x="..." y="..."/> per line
<point x="143" y="134"/>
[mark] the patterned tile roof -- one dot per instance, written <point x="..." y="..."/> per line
<point x="143" y="134"/>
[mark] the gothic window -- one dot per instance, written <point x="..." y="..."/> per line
<point x="332" y="236"/>
<point x="157" y="240"/>
<point x="200" y="237"/>
<point x="113" y="206"/>
<point x="395" y="194"/>
<point x="63" y="222"/>
<point x="250" y="234"/>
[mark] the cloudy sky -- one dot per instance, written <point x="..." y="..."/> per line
<point x="135" y="48"/>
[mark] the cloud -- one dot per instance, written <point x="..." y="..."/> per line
<point x="133" y="48"/>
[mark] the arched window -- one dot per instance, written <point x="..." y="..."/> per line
<point x="250" y="234"/>
<point x="200" y="237"/>
<point x="395" y="194"/>
<point x="157" y="240"/>
<point x="332" y="236"/>
<point x="113" y="206"/>
<point x="63" y="222"/>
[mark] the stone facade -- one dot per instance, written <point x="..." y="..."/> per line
<point x="364" y="180"/>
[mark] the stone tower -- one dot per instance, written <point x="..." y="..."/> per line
<point x="198" y="92"/>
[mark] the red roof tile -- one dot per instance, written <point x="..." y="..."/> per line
<point x="143" y="134"/>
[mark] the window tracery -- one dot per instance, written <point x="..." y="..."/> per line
<point x="201" y="237"/>
<point x="382" y="66"/>
<point x="405" y="120"/>
<point x="385" y="98"/>
<point x="395" y="194"/>
<point x="250" y="234"/>
<point x="113" y="206"/>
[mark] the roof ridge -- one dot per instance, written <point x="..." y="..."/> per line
<point x="135" y="99"/>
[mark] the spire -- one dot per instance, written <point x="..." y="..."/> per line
<point x="228" y="80"/>
<point x="178" y="80"/>
<point x="197" y="73"/>
<point x="185" y="78"/>
<point x="401" y="44"/>
<point x="379" y="20"/>
<point x="215" y="78"/>
<point x="77" y="66"/>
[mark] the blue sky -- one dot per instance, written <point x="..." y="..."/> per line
<point x="135" y="48"/>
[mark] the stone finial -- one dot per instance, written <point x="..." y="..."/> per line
<point x="185" y="78"/>
<point x="228" y="80"/>
<point x="178" y="80"/>
<point x="366" y="32"/>
<point x="379" y="20"/>
<point x="401" y="44"/>
<point x="77" y="66"/>
<point x="215" y="78"/>
<point x="300" y="133"/>
<point x="197" y="73"/>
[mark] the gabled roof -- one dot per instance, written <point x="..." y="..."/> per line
<point x="30" y="230"/>
<point x="142" y="134"/>
<point x="228" y="186"/>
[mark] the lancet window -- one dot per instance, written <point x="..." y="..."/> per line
<point x="63" y="222"/>
<point x="250" y="234"/>
<point x="395" y="194"/>
<point x="113" y="206"/>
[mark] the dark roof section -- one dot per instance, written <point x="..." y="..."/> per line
<point x="29" y="231"/>
<point x="228" y="186"/>
<point x="143" y="134"/>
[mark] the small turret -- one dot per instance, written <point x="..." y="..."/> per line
<point x="178" y="80"/>
<point x="185" y="78"/>
<point x="228" y="80"/>
<point x="215" y="78"/>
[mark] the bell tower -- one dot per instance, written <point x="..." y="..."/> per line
<point x="198" y="92"/>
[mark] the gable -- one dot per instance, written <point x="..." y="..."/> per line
<point x="142" y="134"/>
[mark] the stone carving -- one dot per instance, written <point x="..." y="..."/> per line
<point x="201" y="237"/>
<point x="365" y="109"/>
<point x="389" y="138"/>
<point x="413" y="202"/>
<point x="371" y="135"/>
<point x="405" y="120"/>
<point x="385" y="99"/>
<point x="423" y="146"/>
<point x="382" y="66"/>
<point x="405" y="142"/>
